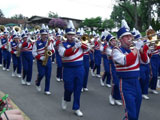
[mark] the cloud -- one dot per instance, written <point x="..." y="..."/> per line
<point x="79" y="9"/>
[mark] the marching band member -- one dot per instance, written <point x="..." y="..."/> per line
<point x="58" y="57"/>
<point x="114" y="97"/>
<point x="106" y="65"/>
<point x="127" y="63"/>
<point x="53" y="36"/>
<point x="86" y="67"/>
<point x="144" y="72"/>
<point x="5" y="53"/>
<point x="73" y="72"/>
<point x="14" y="49"/>
<point x="91" y="56"/>
<point x="39" y="51"/>
<point x="27" y="59"/>
<point x="97" y="55"/>
<point x="0" y="50"/>
<point x="154" y="53"/>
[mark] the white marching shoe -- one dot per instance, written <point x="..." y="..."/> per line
<point x="117" y="102"/>
<point x="47" y="92"/>
<point x="13" y="74"/>
<point x="78" y="113"/>
<point x="108" y="85"/>
<point x="158" y="83"/>
<point x="23" y="82"/>
<point x="58" y="79"/>
<point x="0" y="65"/>
<point x="64" y="104"/>
<point x="38" y="88"/>
<point x="92" y="73"/>
<point x="101" y="82"/>
<point x="28" y="83"/>
<point x="85" y="89"/>
<point x="8" y="70"/>
<point x="145" y="97"/>
<point x="4" y="68"/>
<point x="82" y="90"/>
<point x="98" y="75"/>
<point x="111" y="100"/>
<point x="154" y="91"/>
<point x="19" y="75"/>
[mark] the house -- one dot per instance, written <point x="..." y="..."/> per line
<point x="37" y="20"/>
<point x="4" y="21"/>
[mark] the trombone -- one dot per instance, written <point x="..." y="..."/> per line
<point x="152" y="38"/>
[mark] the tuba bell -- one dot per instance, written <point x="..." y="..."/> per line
<point x="17" y="28"/>
<point x="37" y="27"/>
<point x="85" y="39"/>
<point x="2" y="28"/>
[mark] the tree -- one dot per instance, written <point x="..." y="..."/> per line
<point x="92" y="23"/>
<point x="108" y="24"/>
<point x="137" y="14"/>
<point x="52" y="14"/>
<point x="18" y="16"/>
<point x="57" y="23"/>
<point x="1" y="13"/>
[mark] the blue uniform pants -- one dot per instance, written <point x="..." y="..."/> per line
<point x="97" y="60"/>
<point x="44" y="71"/>
<point x="53" y="57"/>
<point x="59" y="65"/>
<point x="131" y="96"/>
<point x="115" y="83"/>
<point x="27" y="61"/>
<point x="107" y="69"/>
<point x="0" y="56"/>
<point x="86" y="69"/>
<point x="154" y="65"/>
<point x="16" y="63"/>
<point x="6" y="59"/>
<point x="91" y="60"/>
<point x="59" y="72"/>
<point x="144" y="77"/>
<point x="73" y="82"/>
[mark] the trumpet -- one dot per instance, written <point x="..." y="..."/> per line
<point x="63" y="38"/>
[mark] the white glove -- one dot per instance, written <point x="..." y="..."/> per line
<point x="42" y="58"/>
<point x="20" y="45"/>
<point x="147" y="42"/>
<point x="139" y="44"/>
<point x="50" y="47"/>
<point x="101" y="48"/>
<point x="5" y="46"/>
<point x="78" y="44"/>
<point x="15" y="52"/>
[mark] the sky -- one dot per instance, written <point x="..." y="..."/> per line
<point x="78" y="9"/>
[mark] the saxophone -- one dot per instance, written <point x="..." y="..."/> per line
<point x="47" y="53"/>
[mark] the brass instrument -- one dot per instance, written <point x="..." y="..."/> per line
<point x="2" y="28"/>
<point x="17" y="28"/>
<point x="37" y="27"/>
<point x="85" y="39"/>
<point x="63" y="39"/>
<point x="153" y="38"/>
<point x="151" y="35"/>
<point x="47" y="53"/>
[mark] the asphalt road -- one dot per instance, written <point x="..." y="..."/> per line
<point x="94" y="103"/>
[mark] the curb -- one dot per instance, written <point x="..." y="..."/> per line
<point x="15" y="107"/>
